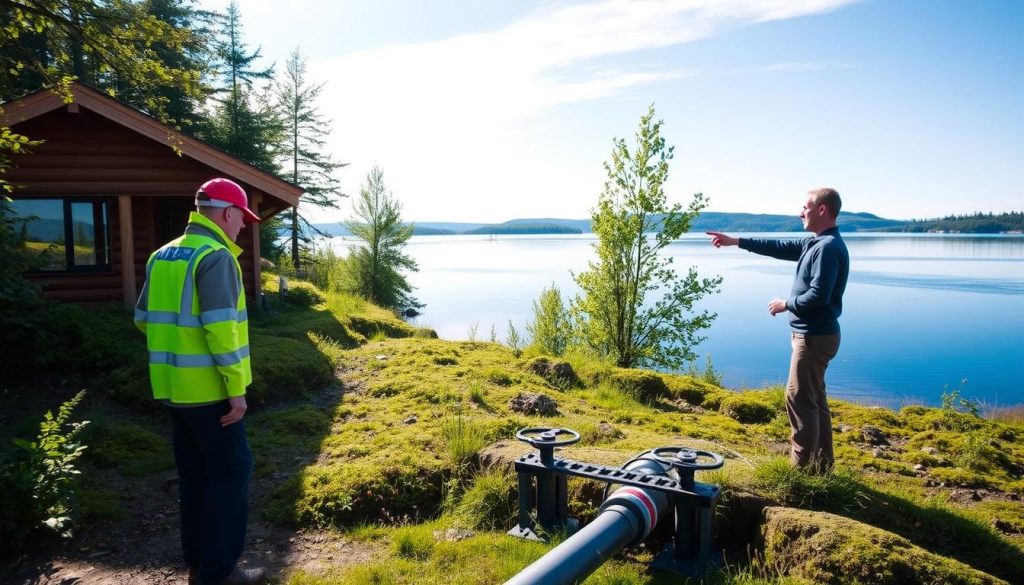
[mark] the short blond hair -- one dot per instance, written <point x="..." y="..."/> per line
<point x="828" y="197"/>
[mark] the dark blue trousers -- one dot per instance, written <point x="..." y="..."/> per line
<point x="214" y="466"/>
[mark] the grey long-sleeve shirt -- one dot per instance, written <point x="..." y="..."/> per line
<point x="822" y="269"/>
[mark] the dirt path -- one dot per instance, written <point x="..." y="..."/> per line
<point x="143" y="548"/>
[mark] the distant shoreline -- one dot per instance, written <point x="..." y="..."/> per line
<point x="978" y="223"/>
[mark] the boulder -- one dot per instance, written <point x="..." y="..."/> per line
<point x="559" y="374"/>
<point x="826" y="548"/>
<point x="873" y="435"/>
<point x="533" y="403"/>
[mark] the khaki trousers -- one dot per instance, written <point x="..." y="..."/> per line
<point x="810" y="421"/>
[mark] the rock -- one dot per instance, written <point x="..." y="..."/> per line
<point x="381" y="357"/>
<point x="411" y="419"/>
<point x="826" y="548"/>
<point x="559" y="374"/>
<point x="920" y="467"/>
<point x="873" y="435"/>
<point x="1006" y="527"/>
<point x="877" y="453"/>
<point x="453" y="534"/>
<point x="930" y="450"/>
<point x="842" y="429"/>
<point x="685" y="406"/>
<point x="533" y="403"/>
<point x="976" y="496"/>
<point x="607" y="431"/>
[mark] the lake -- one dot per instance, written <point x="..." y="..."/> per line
<point x="923" y="313"/>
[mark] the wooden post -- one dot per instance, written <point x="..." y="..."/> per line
<point x="124" y="214"/>
<point x="254" y="205"/>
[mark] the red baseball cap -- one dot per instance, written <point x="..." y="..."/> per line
<point x="225" y="193"/>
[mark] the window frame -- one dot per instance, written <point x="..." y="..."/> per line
<point x="101" y="212"/>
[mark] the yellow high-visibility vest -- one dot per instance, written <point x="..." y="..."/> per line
<point x="195" y="355"/>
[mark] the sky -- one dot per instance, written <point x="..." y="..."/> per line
<point x="489" y="110"/>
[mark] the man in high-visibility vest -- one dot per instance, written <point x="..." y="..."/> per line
<point x="192" y="310"/>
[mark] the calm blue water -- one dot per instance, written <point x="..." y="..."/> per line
<point x="922" y="313"/>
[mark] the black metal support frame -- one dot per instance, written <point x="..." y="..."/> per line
<point x="543" y="493"/>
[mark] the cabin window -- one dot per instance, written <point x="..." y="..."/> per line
<point x="64" y="235"/>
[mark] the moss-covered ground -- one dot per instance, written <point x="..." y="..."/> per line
<point x="370" y="428"/>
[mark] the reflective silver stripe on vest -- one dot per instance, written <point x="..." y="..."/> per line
<point x="198" y="361"/>
<point x="206" y="318"/>
<point x="221" y="315"/>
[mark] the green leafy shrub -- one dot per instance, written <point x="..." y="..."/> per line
<point x="549" y="330"/>
<point x="37" y="484"/>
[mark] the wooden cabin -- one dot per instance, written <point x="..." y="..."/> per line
<point x="109" y="185"/>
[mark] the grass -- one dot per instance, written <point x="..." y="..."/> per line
<point x="362" y="423"/>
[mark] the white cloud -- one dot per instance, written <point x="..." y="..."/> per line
<point x="446" y="120"/>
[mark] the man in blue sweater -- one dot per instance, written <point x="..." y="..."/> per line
<point x="814" y="306"/>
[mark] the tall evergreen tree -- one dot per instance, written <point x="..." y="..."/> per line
<point x="245" y="122"/>
<point x="633" y="223"/>
<point x="305" y="161"/>
<point x="379" y="259"/>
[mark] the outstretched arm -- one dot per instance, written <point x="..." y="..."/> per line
<point x="718" y="239"/>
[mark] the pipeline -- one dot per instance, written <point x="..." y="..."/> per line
<point x="626" y="517"/>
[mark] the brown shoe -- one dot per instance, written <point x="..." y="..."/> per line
<point x="242" y="576"/>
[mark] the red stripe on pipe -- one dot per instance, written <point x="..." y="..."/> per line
<point x="646" y="501"/>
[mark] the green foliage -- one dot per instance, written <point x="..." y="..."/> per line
<point x="749" y="407"/>
<point x="284" y="368"/>
<point x="37" y="484"/>
<point x="709" y="374"/>
<point x="489" y="503"/>
<point x="550" y="329"/>
<point x="302" y="294"/>
<point x="513" y="340"/>
<point x="633" y="223"/>
<point x="837" y="490"/>
<point x="645" y="385"/>
<point x="958" y="413"/>
<point x="134" y="450"/>
<point x="15" y="290"/>
<point x="378" y="261"/>
<point x="413" y="542"/>
<point x="151" y="55"/>
<point x="463" y="439"/>
<point x="305" y="161"/>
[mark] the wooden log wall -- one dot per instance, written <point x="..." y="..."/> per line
<point x="85" y="154"/>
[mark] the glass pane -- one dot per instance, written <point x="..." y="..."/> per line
<point x="41" y="232"/>
<point x="83" y="233"/>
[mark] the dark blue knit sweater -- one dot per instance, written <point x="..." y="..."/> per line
<point x="822" y="268"/>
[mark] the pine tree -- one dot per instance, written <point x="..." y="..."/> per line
<point x="303" y="152"/>
<point x="378" y="261"/>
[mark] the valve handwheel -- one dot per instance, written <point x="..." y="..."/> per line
<point x="547" y="437"/>
<point x="684" y="458"/>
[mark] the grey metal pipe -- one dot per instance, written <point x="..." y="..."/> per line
<point x="626" y="517"/>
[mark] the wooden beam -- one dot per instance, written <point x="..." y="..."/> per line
<point x="124" y="213"/>
<point x="254" y="205"/>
